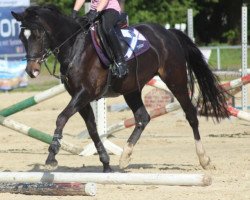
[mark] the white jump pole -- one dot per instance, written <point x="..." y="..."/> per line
<point x="108" y="178"/>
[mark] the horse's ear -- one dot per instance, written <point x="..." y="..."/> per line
<point x="17" y="16"/>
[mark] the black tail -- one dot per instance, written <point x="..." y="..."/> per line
<point x="211" y="92"/>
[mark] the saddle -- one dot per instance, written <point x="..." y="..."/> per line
<point x="133" y="43"/>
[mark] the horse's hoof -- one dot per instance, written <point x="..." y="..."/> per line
<point x="206" y="163"/>
<point x="123" y="164"/>
<point x="51" y="165"/>
<point x="50" y="168"/>
<point x="108" y="170"/>
<point x="209" y="167"/>
<point x="126" y="156"/>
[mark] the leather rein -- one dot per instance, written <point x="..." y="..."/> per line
<point x="47" y="52"/>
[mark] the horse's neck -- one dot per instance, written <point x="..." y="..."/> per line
<point x="63" y="40"/>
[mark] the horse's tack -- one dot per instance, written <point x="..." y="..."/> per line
<point x="132" y="41"/>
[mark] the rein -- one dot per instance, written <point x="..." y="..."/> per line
<point x="43" y="58"/>
<point x="55" y="51"/>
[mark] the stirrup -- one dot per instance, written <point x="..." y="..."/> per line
<point x="120" y="70"/>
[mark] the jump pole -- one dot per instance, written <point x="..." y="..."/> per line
<point x="47" y="94"/>
<point x="99" y="109"/>
<point x="36" y="134"/>
<point x="153" y="114"/>
<point x="238" y="113"/>
<point x="236" y="83"/>
<point x="108" y="178"/>
<point x="174" y="106"/>
<point x="50" y="189"/>
<point x="131" y="121"/>
<point x="156" y="82"/>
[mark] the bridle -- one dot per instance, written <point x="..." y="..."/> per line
<point x="42" y="58"/>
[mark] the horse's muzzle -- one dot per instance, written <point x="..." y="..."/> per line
<point x="33" y="69"/>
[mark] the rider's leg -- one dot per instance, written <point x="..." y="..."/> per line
<point x="109" y="20"/>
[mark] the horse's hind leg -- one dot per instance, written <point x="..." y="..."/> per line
<point x="179" y="89"/>
<point x="142" y="118"/>
<point x="89" y="118"/>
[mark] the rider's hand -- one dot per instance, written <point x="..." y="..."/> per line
<point x="92" y="16"/>
<point x="74" y="14"/>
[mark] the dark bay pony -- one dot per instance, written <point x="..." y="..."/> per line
<point x="172" y="56"/>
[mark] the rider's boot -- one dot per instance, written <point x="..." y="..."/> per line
<point x="121" y="67"/>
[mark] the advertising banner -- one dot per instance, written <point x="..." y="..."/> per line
<point x="12" y="67"/>
<point x="14" y="3"/>
<point x="12" y="74"/>
<point x="9" y="31"/>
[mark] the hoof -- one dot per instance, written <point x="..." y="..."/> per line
<point x="51" y="165"/>
<point x="206" y="163"/>
<point x="108" y="170"/>
<point x="209" y="167"/>
<point x="50" y="168"/>
<point x="126" y="156"/>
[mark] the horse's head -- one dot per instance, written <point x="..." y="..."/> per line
<point x="40" y="27"/>
<point x="34" y="39"/>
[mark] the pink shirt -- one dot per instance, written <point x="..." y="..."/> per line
<point x="113" y="4"/>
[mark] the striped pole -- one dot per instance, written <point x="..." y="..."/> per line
<point x="153" y="114"/>
<point x="108" y="178"/>
<point x="33" y="100"/>
<point x="39" y="135"/>
<point x="158" y="83"/>
<point x="238" y="113"/>
<point x="236" y="83"/>
<point x="131" y="122"/>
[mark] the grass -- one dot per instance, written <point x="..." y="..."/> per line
<point x="40" y="86"/>
<point x="230" y="59"/>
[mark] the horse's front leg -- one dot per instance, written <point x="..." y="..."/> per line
<point x="62" y="119"/>
<point x="87" y="114"/>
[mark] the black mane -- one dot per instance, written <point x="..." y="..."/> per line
<point x="50" y="7"/>
<point x="50" y="13"/>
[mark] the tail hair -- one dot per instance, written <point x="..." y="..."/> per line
<point x="212" y="96"/>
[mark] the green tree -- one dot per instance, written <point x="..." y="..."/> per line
<point x="65" y="6"/>
<point x="218" y="21"/>
<point x="158" y="11"/>
<point x="214" y="20"/>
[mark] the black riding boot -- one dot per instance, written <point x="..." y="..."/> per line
<point x="121" y="68"/>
